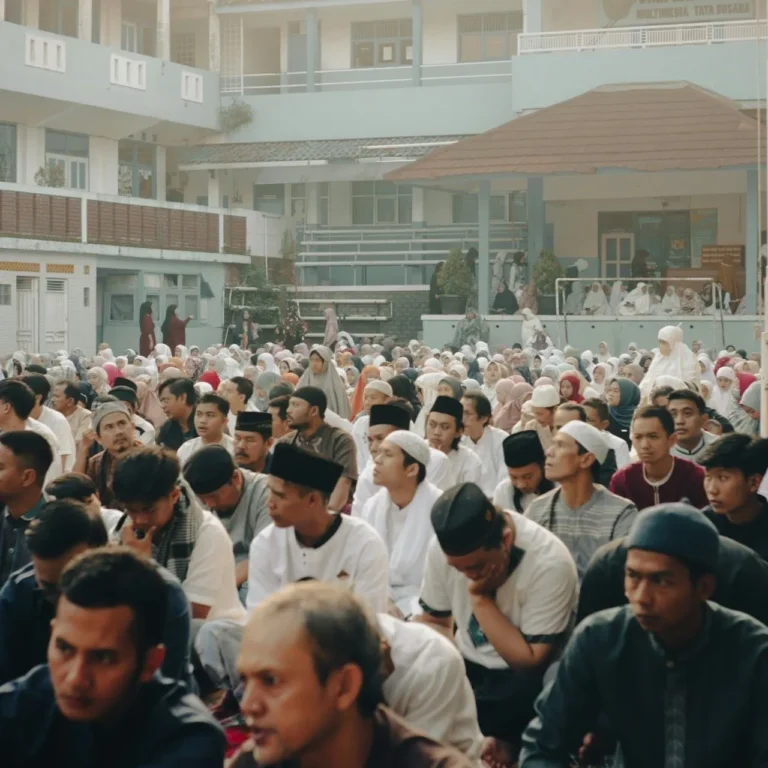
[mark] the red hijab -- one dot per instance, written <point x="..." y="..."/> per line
<point x="210" y="377"/>
<point x="575" y="382"/>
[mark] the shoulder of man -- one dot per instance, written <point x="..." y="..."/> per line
<point x="539" y="507"/>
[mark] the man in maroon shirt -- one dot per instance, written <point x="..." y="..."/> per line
<point x="659" y="477"/>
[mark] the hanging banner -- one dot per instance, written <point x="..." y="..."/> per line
<point x="641" y="13"/>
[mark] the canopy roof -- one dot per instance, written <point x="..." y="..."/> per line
<point x="644" y="127"/>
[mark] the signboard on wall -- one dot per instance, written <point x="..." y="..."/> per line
<point x="641" y="13"/>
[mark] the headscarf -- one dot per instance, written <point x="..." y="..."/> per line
<point x="507" y="414"/>
<point x="575" y="382"/>
<point x="264" y="382"/>
<point x="290" y="377"/>
<point x="210" y="377"/>
<point x="680" y="362"/>
<point x="368" y="372"/>
<point x="629" y="400"/>
<point x="329" y="381"/>
<point x="454" y="384"/>
<point x="269" y="362"/>
<point x="743" y="421"/>
<point x="724" y="400"/>
<point x="402" y="386"/>
<point x="428" y="384"/>
<point x="607" y="373"/>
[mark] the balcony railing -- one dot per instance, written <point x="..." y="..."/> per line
<point x="642" y="37"/>
<point x="80" y="217"/>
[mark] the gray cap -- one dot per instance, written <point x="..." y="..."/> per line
<point x="105" y="410"/>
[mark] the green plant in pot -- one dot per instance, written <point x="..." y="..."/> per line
<point x="546" y="271"/>
<point x="454" y="283"/>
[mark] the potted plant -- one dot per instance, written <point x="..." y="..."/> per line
<point x="546" y="271"/>
<point x="454" y="283"/>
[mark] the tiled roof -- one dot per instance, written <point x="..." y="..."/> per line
<point x="283" y="151"/>
<point x="664" y="127"/>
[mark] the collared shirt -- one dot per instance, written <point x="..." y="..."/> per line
<point x="251" y="515"/>
<point x="682" y="453"/>
<point x="685" y="481"/>
<point x="13" y="546"/>
<point x="332" y="443"/>
<point x="79" y="422"/>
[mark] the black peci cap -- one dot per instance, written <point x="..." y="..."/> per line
<point x="300" y="467"/>
<point x="463" y="518"/>
<point x="392" y="414"/>
<point x="523" y="448"/>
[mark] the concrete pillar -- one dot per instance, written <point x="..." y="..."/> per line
<point x="111" y="23"/>
<point x="31" y="142"/>
<point x="163" y="47"/>
<point x="2" y="10"/>
<point x="214" y="189"/>
<point x="160" y="168"/>
<point x="312" y="204"/>
<point x="418" y="205"/>
<point x="103" y="166"/>
<point x="85" y="20"/>
<point x="752" y="239"/>
<point x="214" y="39"/>
<point x="313" y="48"/>
<point x="483" y="247"/>
<point x="31" y="12"/>
<point x="417" y="51"/>
<point x="533" y="21"/>
<point x="536" y="219"/>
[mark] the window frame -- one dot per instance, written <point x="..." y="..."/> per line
<point x="485" y="32"/>
<point x="373" y="34"/>
<point x="12" y="147"/>
<point x="401" y="193"/>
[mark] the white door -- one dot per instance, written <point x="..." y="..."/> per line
<point x="56" y="315"/>
<point x="618" y="251"/>
<point x="26" y="313"/>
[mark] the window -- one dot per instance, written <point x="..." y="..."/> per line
<point x="171" y="281"/>
<point x="68" y="152"/>
<point x="189" y="282"/>
<point x="489" y="36"/>
<point x="59" y="17"/>
<point x="7" y="152"/>
<point x="382" y="43"/>
<point x="136" y="169"/>
<point x="121" y="307"/>
<point x="323" y="203"/>
<point x="191" y="306"/>
<point x="129" y="37"/>
<point x="5" y="295"/>
<point x="154" y="300"/>
<point x="183" y="48"/>
<point x="86" y="297"/>
<point x="380" y="202"/>
<point x="298" y="200"/>
<point x="269" y="198"/>
<point x="465" y="208"/>
<point x="171" y="300"/>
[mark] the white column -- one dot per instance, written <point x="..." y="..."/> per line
<point x="312" y="204"/>
<point x="111" y="22"/>
<point x="31" y="11"/>
<point x="163" y="50"/>
<point x="102" y="165"/>
<point x="160" y="167"/>
<point x="214" y="39"/>
<point x="85" y="20"/>
<point x="214" y="190"/>
<point x="2" y="10"/>
<point x="31" y="143"/>
<point x="533" y="16"/>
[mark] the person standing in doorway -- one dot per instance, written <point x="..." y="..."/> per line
<point x="147" y="329"/>
<point x="174" y="329"/>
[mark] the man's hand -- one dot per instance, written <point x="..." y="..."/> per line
<point x="139" y="544"/>
<point x="88" y="440"/>
<point x="484" y="586"/>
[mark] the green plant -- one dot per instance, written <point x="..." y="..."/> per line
<point x="235" y="115"/>
<point x="455" y="275"/>
<point x="50" y="176"/>
<point x="545" y="272"/>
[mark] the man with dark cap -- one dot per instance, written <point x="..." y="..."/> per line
<point x="306" y="540"/>
<point x="445" y="427"/>
<point x="126" y="391"/>
<point x="306" y="415"/>
<point x="678" y="680"/>
<point x="385" y="419"/>
<point x="253" y="441"/>
<point x="510" y="586"/>
<point x="237" y="496"/>
<point x="524" y="458"/>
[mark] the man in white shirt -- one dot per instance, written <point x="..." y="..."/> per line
<point x="400" y="513"/>
<point x="52" y="419"/>
<point x="237" y="496"/>
<point x="305" y="541"/>
<point x="211" y="413"/>
<point x="600" y="418"/>
<point x="426" y="684"/>
<point x="511" y="588"/>
<point x="486" y="441"/>
<point x="165" y="522"/>
<point x="16" y="403"/>
<point x="385" y="419"/>
<point x="145" y="431"/>
<point x="526" y="481"/>
<point x="376" y="392"/>
<point x="65" y="399"/>
<point x="238" y="392"/>
<point x="445" y="427"/>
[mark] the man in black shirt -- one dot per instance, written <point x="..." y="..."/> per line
<point x="177" y="396"/>
<point x="734" y="467"/>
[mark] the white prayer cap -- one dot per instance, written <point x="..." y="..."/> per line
<point x="545" y="396"/>
<point x="409" y="442"/>
<point x="587" y="437"/>
<point x="376" y="385"/>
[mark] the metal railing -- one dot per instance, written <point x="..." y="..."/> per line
<point x="642" y="37"/>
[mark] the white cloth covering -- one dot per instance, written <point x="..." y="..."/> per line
<point x="59" y="425"/>
<point x="464" y="465"/>
<point x="191" y="447"/>
<point x="680" y="362"/>
<point x="490" y="451"/>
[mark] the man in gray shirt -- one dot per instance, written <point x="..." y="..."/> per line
<point x="581" y="513"/>
<point x="237" y="496"/>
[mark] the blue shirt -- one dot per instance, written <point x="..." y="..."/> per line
<point x="25" y="618"/>
<point x="13" y="546"/>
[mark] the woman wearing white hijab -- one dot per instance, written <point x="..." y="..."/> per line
<point x="601" y="374"/>
<point x="670" y="304"/>
<point x="637" y="302"/>
<point x="531" y="324"/>
<point x="618" y="294"/>
<point x="266" y="362"/>
<point x="707" y="368"/>
<point x="596" y="303"/>
<point x="724" y="395"/>
<point x="426" y="385"/>
<point x="673" y="359"/>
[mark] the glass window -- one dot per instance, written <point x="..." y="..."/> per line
<point x="154" y="299"/>
<point x="5" y="295"/>
<point x="61" y="143"/>
<point x="171" y="300"/>
<point x="298" y="198"/>
<point x="7" y="152"/>
<point x="171" y="281"/>
<point x="382" y="43"/>
<point x="136" y="172"/>
<point x="189" y="282"/>
<point x="489" y="36"/>
<point x="86" y="297"/>
<point x="202" y="199"/>
<point x="191" y="306"/>
<point x="121" y="308"/>
<point x="465" y="209"/>
<point x="129" y="37"/>
<point x="381" y="203"/>
<point x="152" y="281"/>
<point x="183" y="48"/>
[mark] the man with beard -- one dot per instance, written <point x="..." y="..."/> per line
<point x="253" y="441"/>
